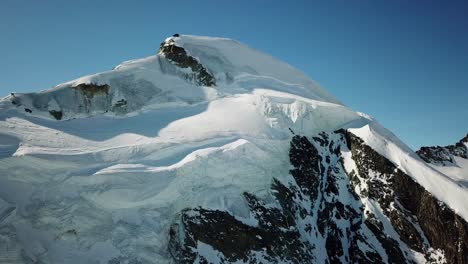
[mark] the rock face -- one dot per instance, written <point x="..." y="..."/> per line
<point x="444" y="155"/>
<point x="422" y="222"/>
<point x="179" y="57"/>
<point x="343" y="203"/>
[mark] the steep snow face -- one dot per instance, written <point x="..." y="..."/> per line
<point x="247" y="68"/>
<point x="440" y="185"/>
<point x="458" y="171"/>
<point x="98" y="168"/>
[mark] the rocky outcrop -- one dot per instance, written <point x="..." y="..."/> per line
<point x="56" y="114"/>
<point x="423" y="223"/>
<point x="444" y="155"/>
<point x="182" y="59"/>
<point x="276" y="238"/>
<point x="89" y="90"/>
<point x="374" y="213"/>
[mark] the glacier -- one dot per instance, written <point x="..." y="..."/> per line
<point x="95" y="169"/>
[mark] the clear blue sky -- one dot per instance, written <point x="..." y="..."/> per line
<point x="403" y="62"/>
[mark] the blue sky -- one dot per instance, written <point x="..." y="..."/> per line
<point x="403" y="62"/>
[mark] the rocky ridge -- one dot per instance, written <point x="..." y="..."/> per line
<point x="444" y="155"/>
<point x="374" y="213"/>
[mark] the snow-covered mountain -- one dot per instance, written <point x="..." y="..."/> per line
<point x="450" y="160"/>
<point x="213" y="152"/>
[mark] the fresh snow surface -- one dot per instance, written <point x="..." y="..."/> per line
<point x="98" y="185"/>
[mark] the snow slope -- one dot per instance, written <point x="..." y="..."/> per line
<point x="458" y="172"/>
<point x="100" y="184"/>
<point x="440" y="185"/>
<point x="450" y="160"/>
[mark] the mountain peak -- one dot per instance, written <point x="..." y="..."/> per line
<point x="187" y="69"/>
<point x="212" y="152"/>
<point x="177" y="55"/>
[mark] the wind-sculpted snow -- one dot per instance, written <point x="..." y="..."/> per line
<point x="125" y="178"/>
<point x="118" y="167"/>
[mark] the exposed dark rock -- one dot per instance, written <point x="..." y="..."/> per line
<point x="179" y="57"/>
<point x="234" y="239"/>
<point x="278" y="228"/>
<point x="444" y="155"/>
<point x="56" y="114"/>
<point x="307" y="165"/>
<point x="120" y="106"/>
<point x="15" y="100"/>
<point x="120" y="103"/>
<point x="319" y="213"/>
<point x="27" y="110"/>
<point x="442" y="227"/>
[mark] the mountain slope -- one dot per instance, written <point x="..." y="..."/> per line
<point x="211" y="151"/>
<point x="450" y="160"/>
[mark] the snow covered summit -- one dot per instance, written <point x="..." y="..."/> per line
<point x="213" y="152"/>
<point x="186" y="70"/>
